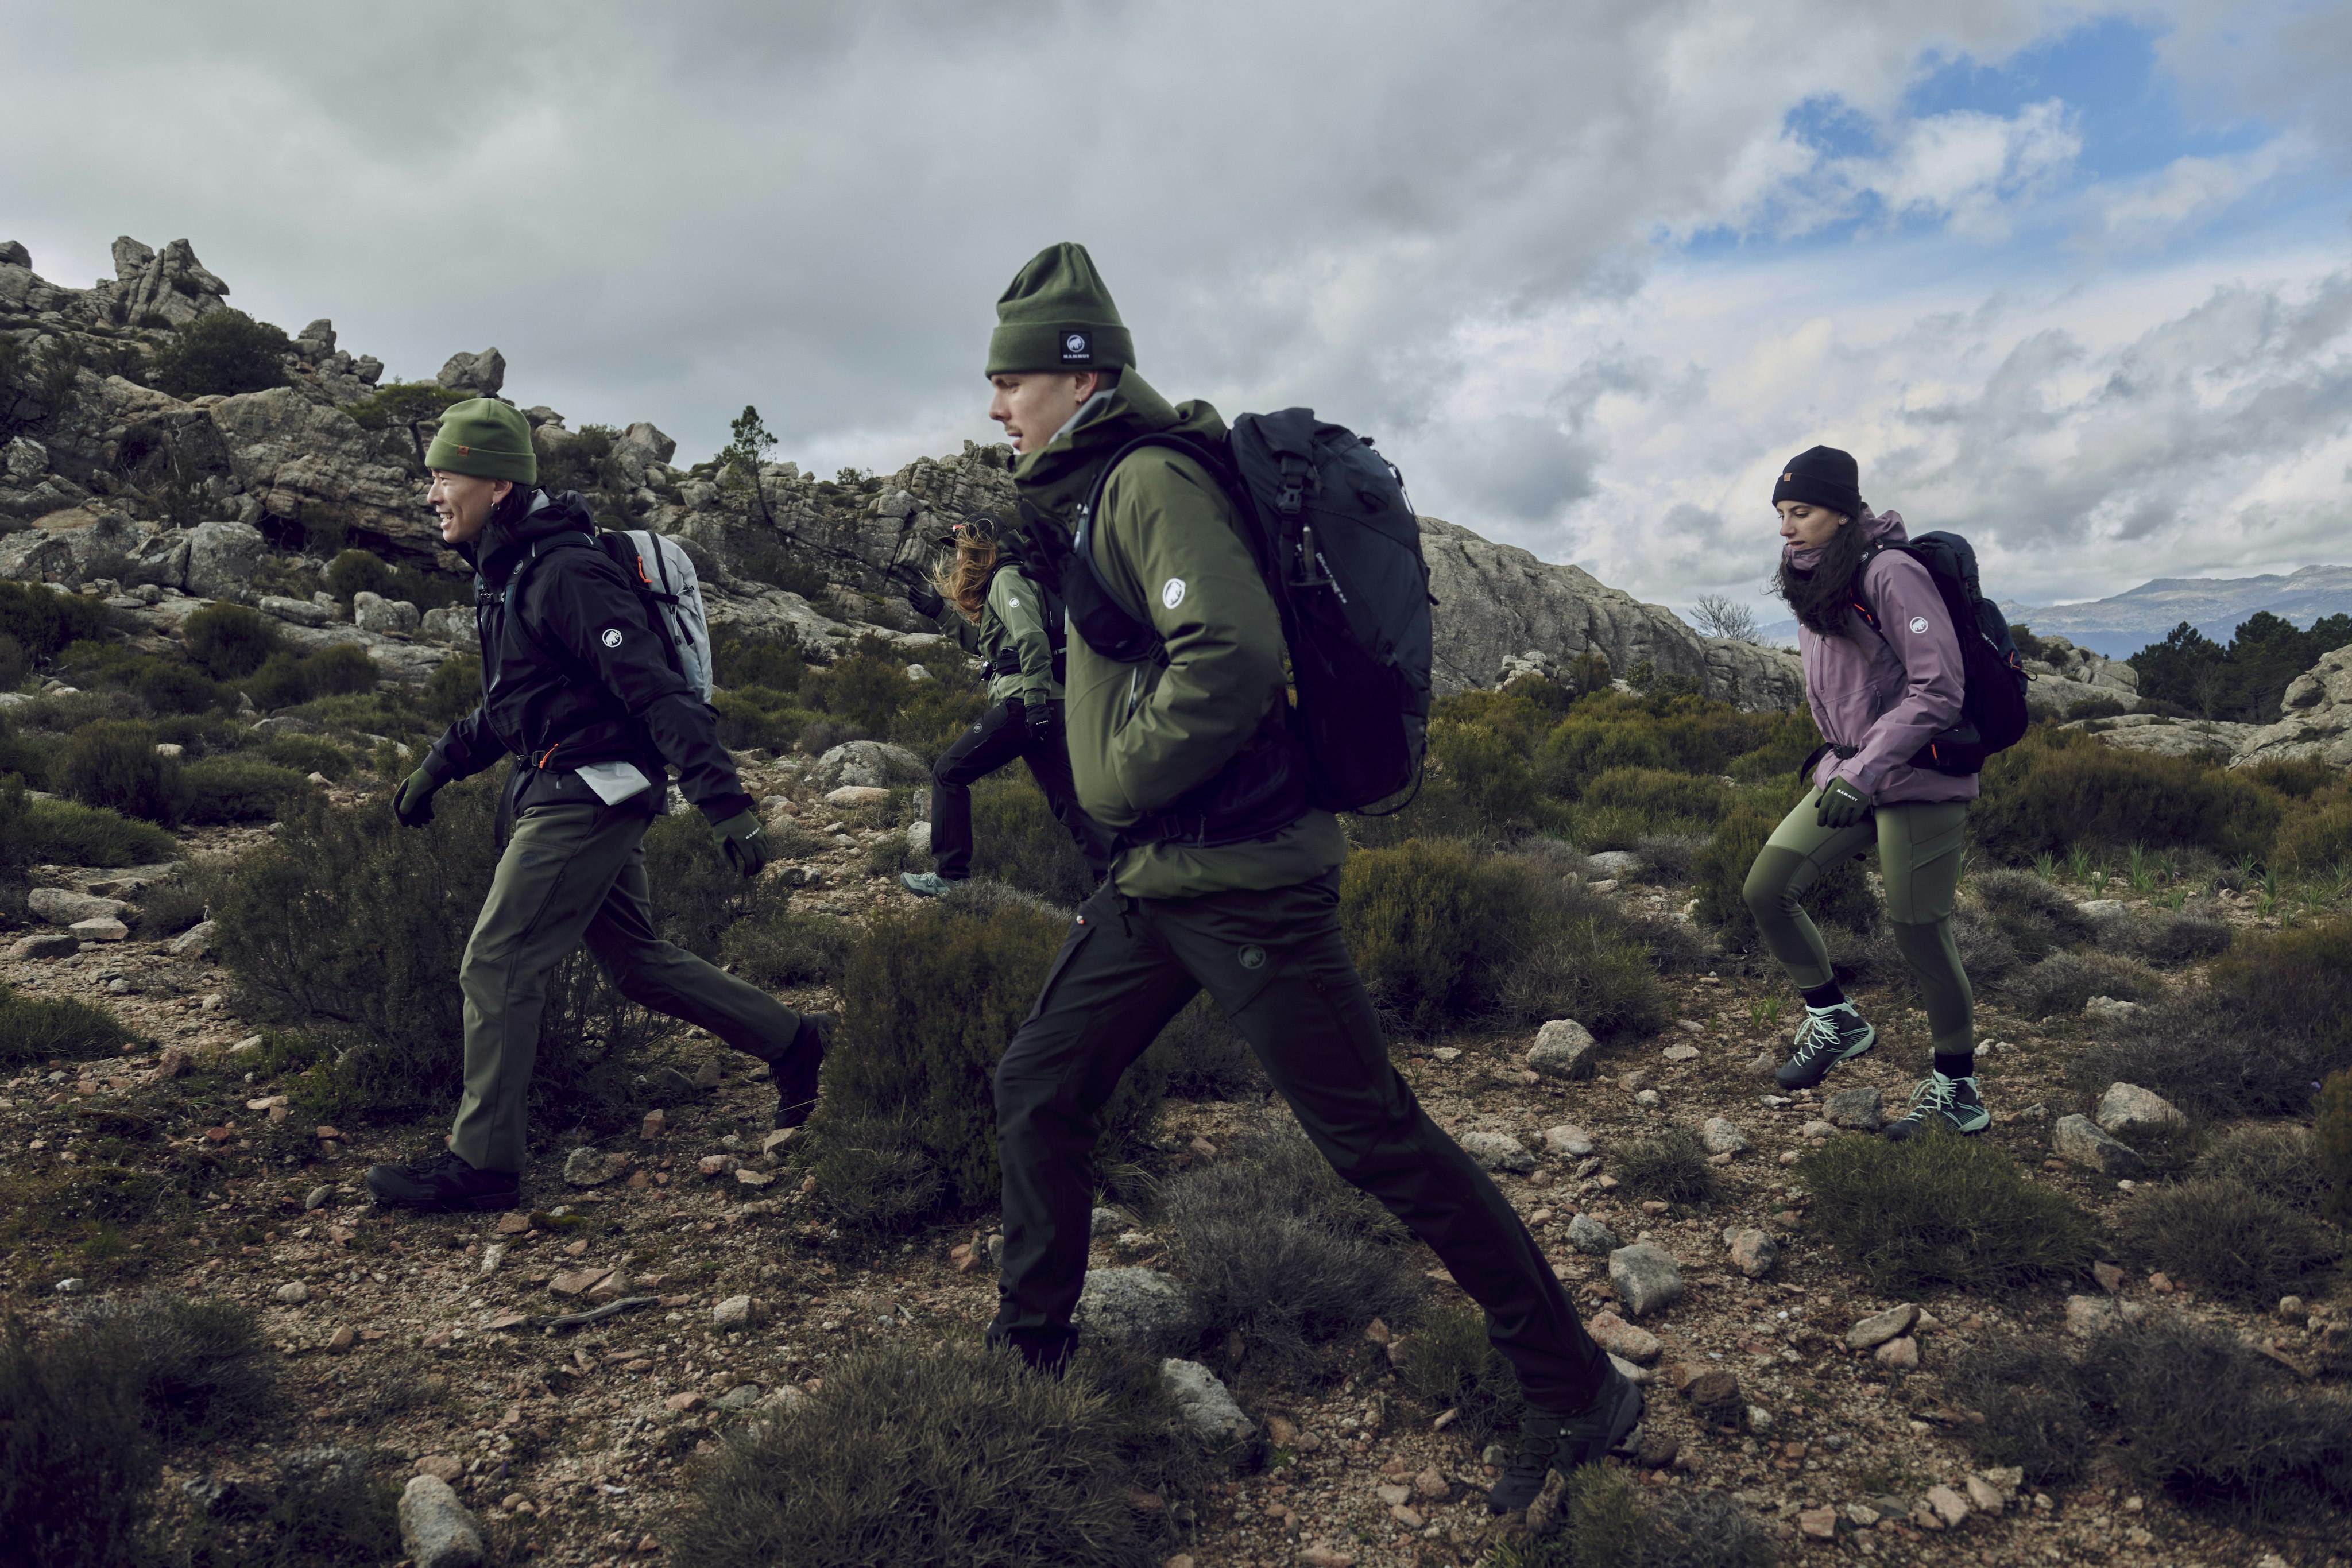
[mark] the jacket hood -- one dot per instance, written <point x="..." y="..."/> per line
<point x="1878" y="527"/>
<point x="496" y="552"/>
<point x="1055" y="479"/>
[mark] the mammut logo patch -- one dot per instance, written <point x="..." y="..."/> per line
<point x="1918" y="625"/>
<point x="1077" y="348"/>
<point x="1172" y="592"/>
<point x="612" y="637"/>
<point x="1253" y="957"/>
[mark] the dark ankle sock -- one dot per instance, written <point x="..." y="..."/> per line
<point x="1961" y="1066"/>
<point x="1827" y="995"/>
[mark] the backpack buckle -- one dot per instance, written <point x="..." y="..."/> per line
<point x="1291" y="496"/>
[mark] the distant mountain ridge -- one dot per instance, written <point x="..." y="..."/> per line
<point x="2123" y="625"/>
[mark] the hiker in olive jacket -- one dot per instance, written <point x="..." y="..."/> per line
<point x="1225" y="878"/>
<point x="578" y="688"/>
<point x="991" y="591"/>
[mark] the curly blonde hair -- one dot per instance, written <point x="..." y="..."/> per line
<point x="964" y="583"/>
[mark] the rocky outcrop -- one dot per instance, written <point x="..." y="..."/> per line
<point x="2315" y="717"/>
<point x="1497" y="603"/>
<point x="2065" y="677"/>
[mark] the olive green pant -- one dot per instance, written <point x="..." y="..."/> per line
<point x="574" y="871"/>
<point x="1919" y="846"/>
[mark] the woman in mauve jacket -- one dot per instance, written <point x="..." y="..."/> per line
<point x="1882" y="686"/>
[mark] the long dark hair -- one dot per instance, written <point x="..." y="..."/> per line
<point x="1821" y="596"/>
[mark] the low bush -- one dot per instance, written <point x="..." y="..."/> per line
<point x="1016" y="841"/>
<point x="2058" y="787"/>
<point x="780" y="949"/>
<point x="237" y="790"/>
<point x="2063" y="982"/>
<point x="1451" y="1365"/>
<point x="2208" y="1419"/>
<point x="288" y="680"/>
<point x="172" y="903"/>
<point x="1671" y="1164"/>
<point x="1940" y="1211"/>
<point x="1205" y="1056"/>
<point x="229" y="642"/>
<point x="307" y="754"/>
<point x="1609" y="730"/>
<point x="2035" y="1417"/>
<point x="955" y="1455"/>
<point x="455" y="689"/>
<point x="753" y="718"/>
<point x="1840" y="899"/>
<point x="1667" y="858"/>
<point x="2315" y="840"/>
<point x="69" y="835"/>
<point x="2288" y="998"/>
<point x="930" y="1000"/>
<point x="225" y="352"/>
<point x="2226" y="1237"/>
<point x="114" y="765"/>
<point x="44" y="622"/>
<point x="2164" y="937"/>
<point x="741" y="659"/>
<point x="1283" y="1253"/>
<point x="2281" y="1161"/>
<point x="33" y="1031"/>
<point x="2036" y="917"/>
<point x="176" y="688"/>
<point x="1660" y="795"/>
<point x="1444" y="935"/>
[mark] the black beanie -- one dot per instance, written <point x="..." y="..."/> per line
<point x="1822" y="477"/>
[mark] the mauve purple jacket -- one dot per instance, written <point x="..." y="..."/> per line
<point x="1885" y="693"/>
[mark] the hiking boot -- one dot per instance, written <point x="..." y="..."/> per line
<point x="1827" y="1037"/>
<point x="1044" y="1349"/>
<point x="930" y="883"/>
<point x="1941" y="1104"/>
<point x="1550" y="1441"/>
<point x="795" y="1070"/>
<point x="443" y="1184"/>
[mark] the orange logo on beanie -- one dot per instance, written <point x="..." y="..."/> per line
<point x="1785" y="478"/>
<point x="465" y="451"/>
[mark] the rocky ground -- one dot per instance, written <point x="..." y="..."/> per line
<point x="432" y="1343"/>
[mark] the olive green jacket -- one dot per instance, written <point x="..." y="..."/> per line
<point x="1011" y="617"/>
<point x="1142" y="735"/>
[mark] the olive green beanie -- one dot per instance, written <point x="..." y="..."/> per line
<point x="1057" y="316"/>
<point x="486" y="438"/>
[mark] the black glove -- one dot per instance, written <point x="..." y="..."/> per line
<point x="1841" y="805"/>
<point x="413" y="802"/>
<point x="744" y="842"/>
<point x="1045" y="722"/>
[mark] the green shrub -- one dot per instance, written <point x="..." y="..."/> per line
<point x="174" y="903"/>
<point x="1603" y="1524"/>
<point x="1659" y="795"/>
<point x="954" y="1456"/>
<point x="2316" y="839"/>
<point x="1671" y="1164"/>
<point x="403" y="403"/>
<point x="782" y="949"/>
<point x="2165" y="936"/>
<point x="308" y="754"/>
<point x="755" y="717"/>
<point x="1840" y="898"/>
<point x="2036" y="917"/>
<point x="1492" y="780"/>
<point x="69" y="835"/>
<point x="288" y="680"/>
<point x="2279" y="1160"/>
<point x="2035" y="1417"/>
<point x="698" y="896"/>
<point x="114" y="765"/>
<point x="1609" y="730"/>
<point x="237" y="790"/>
<point x="2226" y="1237"/>
<point x="1017" y="840"/>
<point x="225" y="352"/>
<point x="930" y="1000"/>
<point x="2063" y="982"/>
<point x="2060" y="788"/>
<point x="36" y="1030"/>
<point x="173" y="688"/>
<point x="26" y="756"/>
<point x="455" y="689"/>
<point x="1282" y="1252"/>
<point x="1451" y="1365"/>
<point x="1940" y="1211"/>
<point x="229" y="642"/>
<point x="742" y="659"/>
<point x="45" y="623"/>
<point x="1444" y="934"/>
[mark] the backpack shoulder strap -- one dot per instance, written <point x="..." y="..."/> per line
<point x="1870" y="552"/>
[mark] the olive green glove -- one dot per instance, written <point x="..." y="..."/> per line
<point x="1841" y="805"/>
<point x="413" y="804"/>
<point x="744" y="842"/>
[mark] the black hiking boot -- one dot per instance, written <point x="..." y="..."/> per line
<point x="1827" y="1037"/>
<point x="1942" y="1105"/>
<point x="1550" y="1441"/>
<point x="443" y="1184"/>
<point x="1044" y="1349"/>
<point x="795" y="1070"/>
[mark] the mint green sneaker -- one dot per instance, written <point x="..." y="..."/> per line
<point x="1950" y="1104"/>
<point x="930" y="883"/>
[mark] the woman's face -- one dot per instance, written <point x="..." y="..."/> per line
<point x="1808" y="527"/>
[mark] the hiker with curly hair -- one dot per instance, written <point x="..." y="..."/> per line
<point x="988" y="588"/>
<point x="1884" y="678"/>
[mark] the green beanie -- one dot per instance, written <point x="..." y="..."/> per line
<point x="486" y="438"/>
<point x="1057" y="316"/>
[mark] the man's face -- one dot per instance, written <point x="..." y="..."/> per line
<point x="464" y="502"/>
<point x="1033" y="404"/>
<point x="1808" y="527"/>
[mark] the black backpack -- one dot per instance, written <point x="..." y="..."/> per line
<point x="1335" y="539"/>
<point x="1993" y="715"/>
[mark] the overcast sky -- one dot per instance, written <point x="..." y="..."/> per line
<point x="2075" y="279"/>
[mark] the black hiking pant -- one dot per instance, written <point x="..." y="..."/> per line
<point x="1002" y="737"/>
<point x="1276" y="965"/>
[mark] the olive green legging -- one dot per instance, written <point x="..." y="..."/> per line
<point x="1919" y="847"/>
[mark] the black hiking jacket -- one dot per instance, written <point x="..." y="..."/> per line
<point x="574" y="673"/>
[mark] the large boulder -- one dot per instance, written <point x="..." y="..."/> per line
<point x="2315" y="717"/>
<point x="866" y="764"/>
<point x="222" y="558"/>
<point x="298" y="456"/>
<point x="479" y="374"/>
<point x="73" y="546"/>
<point x="168" y="287"/>
<point x="1496" y="603"/>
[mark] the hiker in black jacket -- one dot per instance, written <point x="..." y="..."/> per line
<point x="579" y="688"/>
